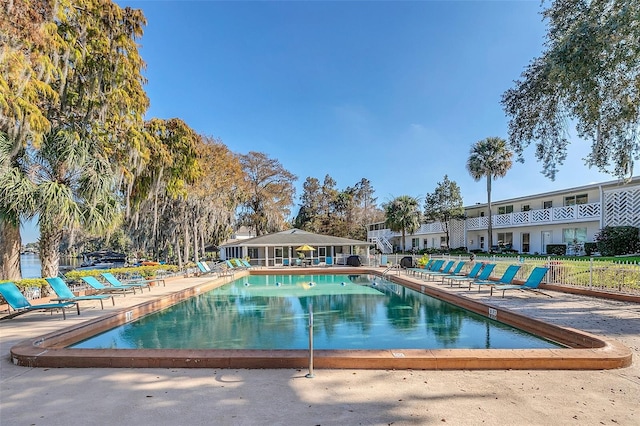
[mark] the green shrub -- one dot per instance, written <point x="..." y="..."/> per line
<point x="423" y="261"/>
<point x="145" y="271"/>
<point x="617" y="240"/>
<point x="557" y="249"/>
<point x="590" y="248"/>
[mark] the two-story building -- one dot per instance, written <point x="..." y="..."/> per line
<point x="528" y="224"/>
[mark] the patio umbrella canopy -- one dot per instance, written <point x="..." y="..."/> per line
<point x="308" y="248"/>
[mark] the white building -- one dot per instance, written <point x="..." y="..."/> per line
<point x="528" y="224"/>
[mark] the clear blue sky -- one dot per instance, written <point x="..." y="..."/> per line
<point x="396" y="92"/>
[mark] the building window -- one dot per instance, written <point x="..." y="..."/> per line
<point x="443" y="241"/>
<point x="525" y="242"/>
<point x="576" y="199"/>
<point x="547" y="204"/>
<point x="526" y="207"/>
<point x="425" y="243"/>
<point x="574" y="235"/>
<point x="505" y="209"/>
<point x="252" y="252"/>
<point x="415" y="243"/>
<point x="505" y="240"/>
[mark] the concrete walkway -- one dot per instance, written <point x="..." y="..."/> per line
<point x="40" y="396"/>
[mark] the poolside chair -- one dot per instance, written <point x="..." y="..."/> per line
<point x="328" y="261"/>
<point x="16" y="300"/>
<point x="444" y="271"/>
<point x="316" y="262"/>
<point x="247" y="264"/>
<point x="204" y="268"/>
<point x="506" y="278"/>
<point x="483" y="275"/>
<point x="136" y="278"/>
<point x="65" y="294"/>
<point x="285" y="262"/>
<point x="455" y="272"/>
<point x="531" y="284"/>
<point x="103" y="289"/>
<point x="435" y="266"/>
<point x="473" y="273"/>
<point x="111" y="279"/>
<point x="420" y="269"/>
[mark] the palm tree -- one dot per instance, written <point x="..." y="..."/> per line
<point x="16" y="202"/>
<point x="403" y="214"/>
<point x="489" y="157"/>
<point x="75" y="187"/>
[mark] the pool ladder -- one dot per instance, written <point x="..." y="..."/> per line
<point x="390" y="269"/>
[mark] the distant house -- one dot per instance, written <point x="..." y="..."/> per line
<point x="529" y="223"/>
<point x="274" y="249"/>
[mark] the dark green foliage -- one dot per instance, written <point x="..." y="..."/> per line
<point x="590" y="248"/>
<point x="557" y="249"/>
<point x="617" y="240"/>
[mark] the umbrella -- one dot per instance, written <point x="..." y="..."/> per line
<point x="306" y="247"/>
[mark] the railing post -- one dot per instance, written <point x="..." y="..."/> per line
<point x="590" y="272"/>
<point x="310" y="374"/>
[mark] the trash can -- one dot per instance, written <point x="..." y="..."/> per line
<point x="406" y="262"/>
<point x="354" y="261"/>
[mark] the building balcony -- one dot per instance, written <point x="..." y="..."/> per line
<point x="566" y="214"/>
<point x="555" y="215"/>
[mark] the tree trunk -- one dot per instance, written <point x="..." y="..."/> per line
<point x="10" y="246"/>
<point x="404" y="241"/>
<point x="50" y="238"/>
<point x="196" y="245"/>
<point x="490" y="227"/>
<point x="179" y="253"/>
<point x="187" y="242"/>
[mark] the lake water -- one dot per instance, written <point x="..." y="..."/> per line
<point x="30" y="264"/>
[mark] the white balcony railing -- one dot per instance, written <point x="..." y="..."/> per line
<point x="566" y="214"/>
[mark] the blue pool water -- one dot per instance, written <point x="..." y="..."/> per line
<point x="350" y="312"/>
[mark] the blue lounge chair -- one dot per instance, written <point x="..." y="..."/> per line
<point x="531" y="284"/>
<point x="65" y="294"/>
<point x="435" y="266"/>
<point x="204" y="268"/>
<point x="473" y="273"/>
<point x="16" y="300"/>
<point x="420" y="269"/>
<point x="328" y="261"/>
<point x="455" y="272"/>
<point x="483" y="275"/>
<point x="103" y="289"/>
<point x="113" y="281"/>
<point x="506" y="278"/>
<point x="446" y="270"/>
<point x="285" y="262"/>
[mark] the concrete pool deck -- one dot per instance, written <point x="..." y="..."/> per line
<point x="44" y="396"/>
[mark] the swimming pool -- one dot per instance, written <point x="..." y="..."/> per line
<point x="358" y="311"/>
<point x="582" y="350"/>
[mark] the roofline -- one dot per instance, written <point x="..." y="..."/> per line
<point x="617" y="182"/>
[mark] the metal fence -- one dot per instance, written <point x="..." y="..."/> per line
<point x="588" y="273"/>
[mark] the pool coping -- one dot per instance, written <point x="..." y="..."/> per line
<point x="585" y="352"/>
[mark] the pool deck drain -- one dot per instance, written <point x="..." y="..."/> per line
<point x="586" y="351"/>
